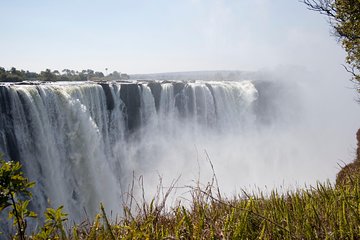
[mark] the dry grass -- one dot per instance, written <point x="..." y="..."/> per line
<point x="321" y="212"/>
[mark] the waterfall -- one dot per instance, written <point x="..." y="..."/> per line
<point x="81" y="142"/>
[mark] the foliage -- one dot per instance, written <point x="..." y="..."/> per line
<point x="14" y="75"/>
<point x="320" y="212"/>
<point x="53" y="227"/>
<point x="14" y="187"/>
<point x="350" y="173"/>
<point x="344" y="17"/>
<point x="47" y="75"/>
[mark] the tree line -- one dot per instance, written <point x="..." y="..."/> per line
<point x="15" y="75"/>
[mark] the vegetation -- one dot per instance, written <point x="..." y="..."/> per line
<point x="15" y="194"/>
<point x="13" y="187"/>
<point x="321" y="212"/>
<point x="324" y="212"/>
<point x="344" y="18"/>
<point x="14" y="75"/>
<point x="351" y="172"/>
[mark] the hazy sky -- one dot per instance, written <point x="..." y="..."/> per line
<point x="160" y="36"/>
<point x="148" y="36"/>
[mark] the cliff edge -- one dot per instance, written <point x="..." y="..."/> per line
<point x="350" y="174"/>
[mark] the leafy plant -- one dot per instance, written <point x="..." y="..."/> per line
<point x="14" y="189"/>
<point x="53" y="227"/>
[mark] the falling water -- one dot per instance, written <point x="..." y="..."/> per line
<point x="81" y="142"/>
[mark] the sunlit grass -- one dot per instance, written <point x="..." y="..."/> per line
<point x="320" y="212"/>
<point x="323" y="211"/>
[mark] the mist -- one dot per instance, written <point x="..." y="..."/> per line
<point x="284" y="128"/>
<point x="291" y="123"/>
<point x="299" y="130"/>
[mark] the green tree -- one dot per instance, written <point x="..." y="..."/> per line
<point x="99" y="74"/>
<point x="31" y="75"/>
<point x="47" y="75"/>
<point x="2" y="74"/>
<point x="115" y="75"/>
<point x="67" y="72"/>
<point x="344" y="18"/>
<point x="13" y="75"/>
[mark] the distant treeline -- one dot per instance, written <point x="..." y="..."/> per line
<point x="14" y="75"/>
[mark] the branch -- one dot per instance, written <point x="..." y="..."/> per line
<point x="350" y="70"/>
<point x="18" y="218"/>
<point x="324" y="7"/>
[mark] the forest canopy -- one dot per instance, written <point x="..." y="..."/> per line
<point x="14" y="75"/>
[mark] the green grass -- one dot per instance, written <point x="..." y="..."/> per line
<point x="321" y="212"/>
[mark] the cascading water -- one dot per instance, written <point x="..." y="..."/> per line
<point x="81" y="142"/>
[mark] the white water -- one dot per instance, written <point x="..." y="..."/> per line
<point x="82" y="144"/>
<point x="61" y="132"/>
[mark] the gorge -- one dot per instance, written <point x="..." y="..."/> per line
<point x="82" y="142"/>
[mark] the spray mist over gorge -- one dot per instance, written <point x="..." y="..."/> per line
<point x="82" y="142"/>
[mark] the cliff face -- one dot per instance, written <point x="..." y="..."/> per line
<point x="350" y="174"/>
<point x="358" y="146"/>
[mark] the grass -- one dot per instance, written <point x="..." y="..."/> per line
<point x="324" y="211"/>
<point x="321" y="212"/>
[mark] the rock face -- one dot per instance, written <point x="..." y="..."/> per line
<point x="350" y="174"/>
<point x="358" y="146"/>
<point x="130" y="95"/>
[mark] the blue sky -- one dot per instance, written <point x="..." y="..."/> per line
<point x="162" y="36"/>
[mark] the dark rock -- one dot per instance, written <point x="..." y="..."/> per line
<point x="129" y="94"/>
<point x="155" y="88"/>
<point x="109" y="97"/>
